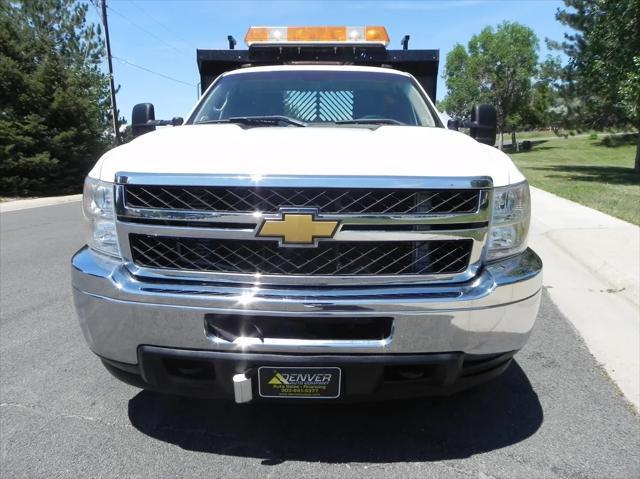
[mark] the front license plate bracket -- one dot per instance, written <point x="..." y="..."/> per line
<point x="299" y="382"/>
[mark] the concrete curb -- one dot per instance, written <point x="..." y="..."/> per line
<point x="592" y="273"/>
<point x="17" y="205"/>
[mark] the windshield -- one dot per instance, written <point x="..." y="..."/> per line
<point x="318" y="97"/>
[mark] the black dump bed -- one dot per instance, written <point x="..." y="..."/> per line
<point x="422" y="64"/>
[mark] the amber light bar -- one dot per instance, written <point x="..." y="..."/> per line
<point x="371" y="35"/>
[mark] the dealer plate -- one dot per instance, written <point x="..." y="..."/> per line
<point x="307" y="383"/>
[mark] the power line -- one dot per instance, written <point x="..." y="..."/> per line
<point x="127" y="62"/>
<point x="96" y="7"/>
<point x="148" y="32"/>
<point x="130" y="63"/>
<point x="152" y="18"/>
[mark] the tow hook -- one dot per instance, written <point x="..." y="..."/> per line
<point x="242" y="388"/>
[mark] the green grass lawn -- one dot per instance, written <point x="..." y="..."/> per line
<point x="588" y="172"/>
<point x="527" y="135"/>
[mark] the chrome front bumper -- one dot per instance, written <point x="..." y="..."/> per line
<point x="490" y="314"/>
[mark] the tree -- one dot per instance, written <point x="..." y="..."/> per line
<point x="497" y="68"/>
<point x="604" y="52"/>
<point x="544" y="96"/>
<point x="54" y="100"/>
<point x="463" y="90"/>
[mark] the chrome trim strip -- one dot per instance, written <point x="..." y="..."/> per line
<point x="255" y="280"/>
<point x="303" y="181"/>
<point x="354" y="219"/>
<point x="250" y="234"/>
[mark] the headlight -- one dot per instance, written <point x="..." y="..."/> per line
<point x="99" y="211"/>
<point x="510" y="222"/>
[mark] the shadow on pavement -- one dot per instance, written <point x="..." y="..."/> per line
<point x="497" y="414"/>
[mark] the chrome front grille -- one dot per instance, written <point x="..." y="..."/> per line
<point x="330" y="258"/>
<point x="326" y="200"/>
<point x="391" y="230"/>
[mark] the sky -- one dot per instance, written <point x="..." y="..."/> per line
<point x="162" y="35"/>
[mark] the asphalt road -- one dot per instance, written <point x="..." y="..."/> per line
<point x="553" y="414"/>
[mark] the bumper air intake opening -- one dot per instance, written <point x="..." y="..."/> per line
<point x="230" y="327"/>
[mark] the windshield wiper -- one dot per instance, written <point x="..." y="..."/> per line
<point x="370" y="121"/>
<point x="267" y="120"/>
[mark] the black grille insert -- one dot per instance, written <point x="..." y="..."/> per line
<point x="329" y="258"/>
<point x="327" y="200"/>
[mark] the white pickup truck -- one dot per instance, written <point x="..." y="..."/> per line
<point x="312" y="231"/>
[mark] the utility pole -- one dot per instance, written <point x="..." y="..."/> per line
<point x="114" y="109"/>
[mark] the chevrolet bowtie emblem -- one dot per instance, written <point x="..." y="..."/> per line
<point x="297" y="229"/>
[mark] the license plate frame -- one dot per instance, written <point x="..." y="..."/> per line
<point x="299" y="382"/>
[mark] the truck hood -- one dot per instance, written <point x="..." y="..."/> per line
<point x="229" y="149"/>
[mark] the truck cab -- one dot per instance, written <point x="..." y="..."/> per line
<point x="312" y="230"/>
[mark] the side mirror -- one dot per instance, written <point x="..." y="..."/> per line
<point x="483" y="124"/>
<point x="453" y="124"/>
<point x="143" y="119"/>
